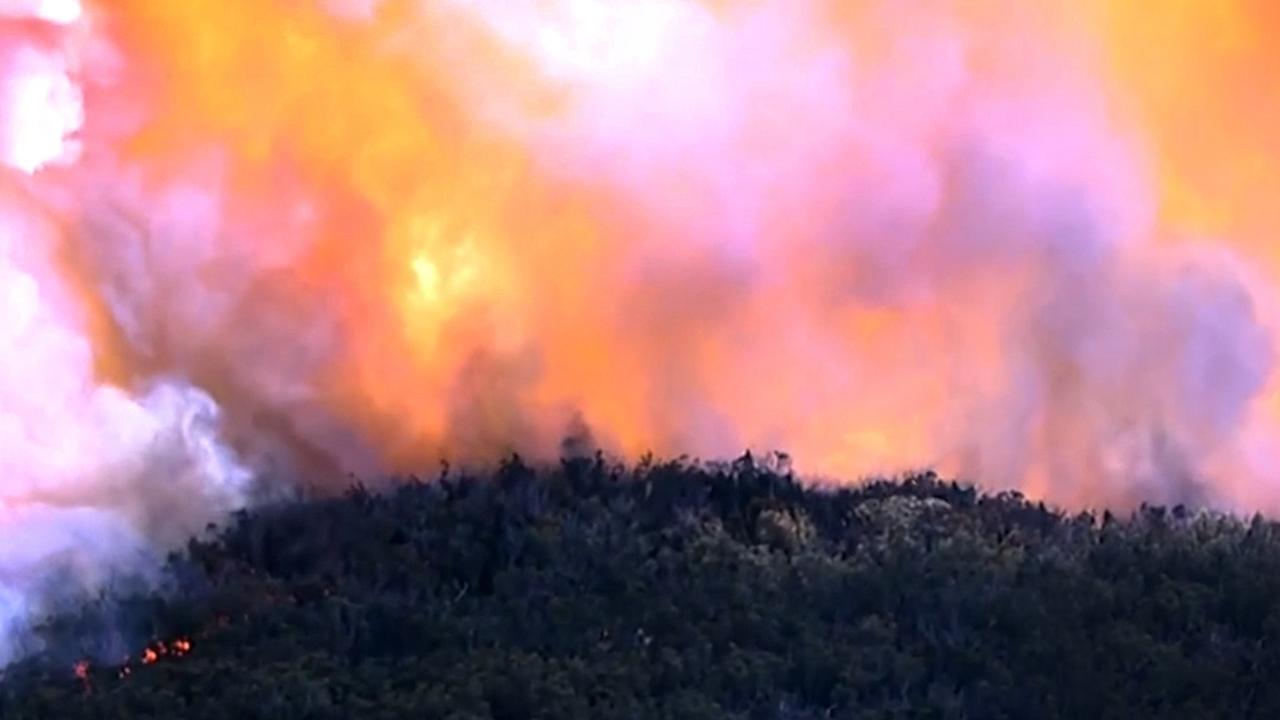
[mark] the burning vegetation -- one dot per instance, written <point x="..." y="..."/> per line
<point x="155" y="652"/>
<point x="161" y="650"/>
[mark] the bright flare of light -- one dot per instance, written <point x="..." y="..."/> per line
<point x="45" y="109"/>
<point x="63" y="12"/>
<point x="588" y="41"/>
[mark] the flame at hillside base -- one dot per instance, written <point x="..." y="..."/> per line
<point x="247" y="240"/>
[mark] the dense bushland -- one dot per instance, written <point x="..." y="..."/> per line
<point x="675" y="590"/>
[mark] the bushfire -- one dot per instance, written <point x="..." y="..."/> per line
<point x="153" y="653"/>
<point x="254" y="243"/>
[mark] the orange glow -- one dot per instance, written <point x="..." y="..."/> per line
<point x="1204" y="81"/>
<point x="874" y="235"/>
<point x="81" y="670"/>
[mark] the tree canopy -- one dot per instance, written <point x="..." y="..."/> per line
<point x="680" y="590"/>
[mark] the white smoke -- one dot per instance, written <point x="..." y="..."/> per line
<point x="95" y="480"/>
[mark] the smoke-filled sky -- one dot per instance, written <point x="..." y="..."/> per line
<point x="286" y="240"/>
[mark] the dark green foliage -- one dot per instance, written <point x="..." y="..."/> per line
<point x="677" y="591"/>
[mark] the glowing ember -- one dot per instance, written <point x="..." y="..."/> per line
<point x="153" y="653"/>
<point x="81" y="670"/>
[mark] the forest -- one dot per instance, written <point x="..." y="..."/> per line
<point x="678" y="589"/>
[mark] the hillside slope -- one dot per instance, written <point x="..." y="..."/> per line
<point x="675" y="591"/>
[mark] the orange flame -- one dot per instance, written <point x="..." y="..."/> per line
<point x="868" y="234"/>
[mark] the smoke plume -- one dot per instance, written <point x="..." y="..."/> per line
<point x="254" y="240"/>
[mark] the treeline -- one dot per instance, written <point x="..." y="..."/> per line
<point x="676" y="590"/>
